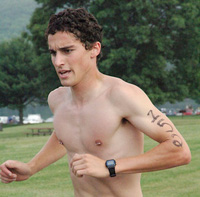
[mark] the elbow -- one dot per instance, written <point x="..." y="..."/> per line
<point x="188" y="158"/>
<point x="185" y="157"/>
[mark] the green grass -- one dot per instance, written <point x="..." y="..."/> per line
<point x="52" y="181"/>
<point x="182" y="181"/>
<point x="55" y="180"/>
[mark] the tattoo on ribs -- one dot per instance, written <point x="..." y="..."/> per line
<point x="161" y="123"/>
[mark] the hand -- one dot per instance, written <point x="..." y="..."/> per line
<point x="86" y="164"/>
<point x="14" y="171"/>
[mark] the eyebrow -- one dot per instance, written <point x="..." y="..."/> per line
<point x="67" y="47"/>
<point x="63" y="48"/>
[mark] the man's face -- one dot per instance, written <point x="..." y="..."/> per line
<point x="69" y="57"/>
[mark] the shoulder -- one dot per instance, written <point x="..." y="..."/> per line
<point x="56" y="97"/>
<point x="128" y="98"/>
<point x="58" y="91"/>
<point x="123" y="90"/>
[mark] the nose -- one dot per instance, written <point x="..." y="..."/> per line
<point x="59" y="60"/>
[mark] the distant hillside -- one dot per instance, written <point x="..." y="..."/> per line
<point x="14" y="17"/>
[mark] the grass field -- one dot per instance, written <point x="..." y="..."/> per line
<point x="55" y="181"/>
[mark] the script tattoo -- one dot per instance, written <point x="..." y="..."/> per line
<point x="176" y="142"/>
<point x="164" y="123"/>
<point x="161" y="123"/>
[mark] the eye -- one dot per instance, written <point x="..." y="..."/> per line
<point x="67" y="50"/>
<point x="52" y="52"/>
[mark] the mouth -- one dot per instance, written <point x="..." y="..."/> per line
<point x="64" y="73"/>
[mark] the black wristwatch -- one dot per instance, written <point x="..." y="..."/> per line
<point x="110" y="164"/>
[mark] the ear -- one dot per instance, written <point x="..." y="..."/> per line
<point x="96" y="49"/>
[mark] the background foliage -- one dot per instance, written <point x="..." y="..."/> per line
<point x="18" y="74"/>
<point x="154" y="44"/>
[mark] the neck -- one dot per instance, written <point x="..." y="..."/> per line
<point x="88" y="88"/>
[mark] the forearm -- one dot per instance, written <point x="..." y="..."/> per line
<point x="50" y="153"/>
<point x="161" y="157"/>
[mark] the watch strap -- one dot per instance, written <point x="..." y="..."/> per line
<point x="112" y="172"/>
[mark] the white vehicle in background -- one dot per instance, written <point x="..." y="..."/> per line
<point x="4" y="119"/>
<point x="33" y="118"/>
<point x="197" y="111"/>
<point x="49" y="119"/>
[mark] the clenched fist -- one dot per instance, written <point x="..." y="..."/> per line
<point x="14" y="171"/>
<point x="86" y="164"/>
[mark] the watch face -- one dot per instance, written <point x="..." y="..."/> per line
<point x="110" y="163"/>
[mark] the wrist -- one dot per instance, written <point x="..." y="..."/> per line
<point x="31" y="166"/>
<point x="120" y="167"/>
<point x="110" y="164"/>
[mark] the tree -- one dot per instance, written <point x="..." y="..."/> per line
<point x="153" y="44"/>
<point x="18" y="75"/>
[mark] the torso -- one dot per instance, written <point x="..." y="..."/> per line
<point x="98" y="128"/>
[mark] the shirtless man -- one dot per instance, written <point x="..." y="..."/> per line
<point x="98" y="118"/>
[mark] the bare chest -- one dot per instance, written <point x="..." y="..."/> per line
<point x="88" y="129"/>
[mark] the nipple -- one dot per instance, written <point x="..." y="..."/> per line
<point x="60" y="142"/>
<point x="98" y="142"/>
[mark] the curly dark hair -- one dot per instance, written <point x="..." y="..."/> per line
<point x="82" y="24"/>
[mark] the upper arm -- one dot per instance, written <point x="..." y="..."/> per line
<point x="137" y="108"/>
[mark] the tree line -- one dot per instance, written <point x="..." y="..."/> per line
<point x="154" y="44"/>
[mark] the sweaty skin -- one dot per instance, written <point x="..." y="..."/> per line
<point x="96" y="118"/>
<point x="97" y="128"/>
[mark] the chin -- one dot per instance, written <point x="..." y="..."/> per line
<point x="66" y="84"/>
